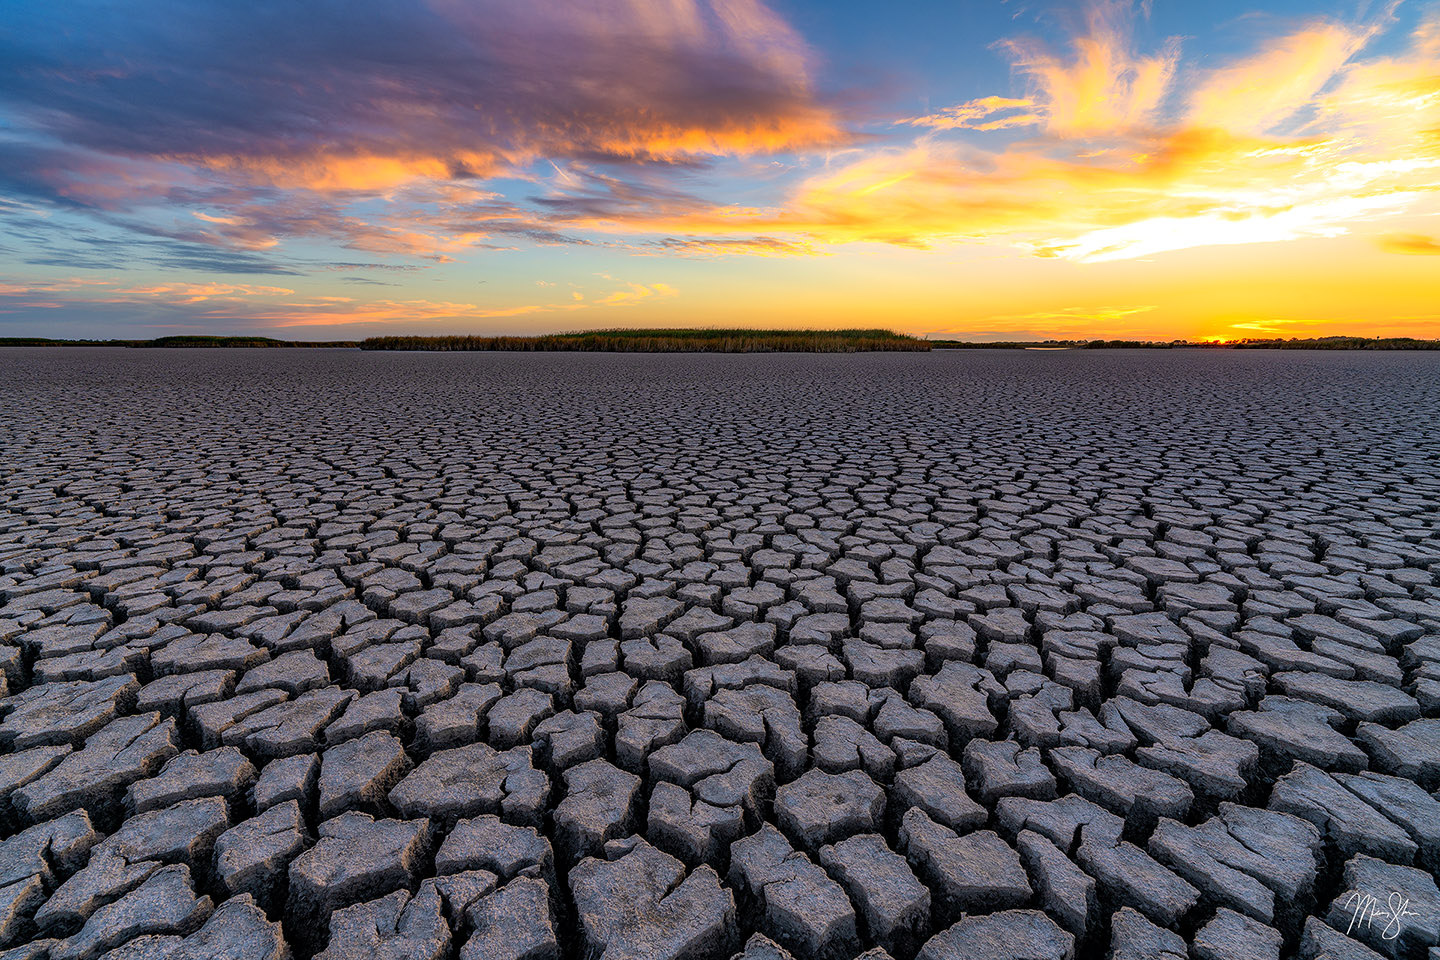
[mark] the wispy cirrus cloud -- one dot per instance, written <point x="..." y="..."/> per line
<point x="985" y="113"/>
<point x="711" y="247"/>
<point x="1300" y="139"/>
<point x="1103" y="86"/>
<point x="94" y="290"/>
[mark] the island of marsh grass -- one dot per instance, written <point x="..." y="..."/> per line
<point x="670" y="341"/>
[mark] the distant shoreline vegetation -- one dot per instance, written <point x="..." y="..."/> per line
<point x="671" y="341"/>
<point x="729" y="341"/>
<point x="1294" y="343"/>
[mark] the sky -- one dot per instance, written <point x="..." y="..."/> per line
<point x="980" y="169"/>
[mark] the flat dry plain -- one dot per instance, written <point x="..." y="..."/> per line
<point x="956" y="655"/>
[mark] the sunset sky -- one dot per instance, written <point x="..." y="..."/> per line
<point x="992" y="169"/>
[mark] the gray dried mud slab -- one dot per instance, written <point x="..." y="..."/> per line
<point x="1007" y="935"/>
<point x="123" y="751"/>
<point x="356" y="858"/>
<point x="516" y="922"/>
<point x="976" y="872"/>
<point x="394" y="926"/>
<point x="469" y="781"/>
<point x="640" y="902"/>
<point x="165" y="903"/>
<point x="893" y="905"/>
<point x="798" y="904"/>
<point x="252" y="856"/>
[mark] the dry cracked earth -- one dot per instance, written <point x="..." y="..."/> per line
<point x="959" y="655"/>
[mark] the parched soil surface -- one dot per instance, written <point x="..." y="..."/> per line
<point x="525" y="657"/>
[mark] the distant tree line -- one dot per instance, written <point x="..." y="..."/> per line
<point x="1293" y="343"/>
<point x="669" y="341"/>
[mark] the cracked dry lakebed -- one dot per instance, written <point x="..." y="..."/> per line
<point x="527" y="657"/>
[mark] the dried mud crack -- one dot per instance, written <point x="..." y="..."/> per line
<point x="531" y="657"/>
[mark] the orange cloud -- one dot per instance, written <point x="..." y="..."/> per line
<point x="332" y="170"/>
<point x="635" y="292"/>
<point x="25" y="288"/>
<point x="1411" y="243"/>
<point x="1104" y="87"/>
<point x="451" y="92"/>
<point x="1391" y="100"/>
<point x="200" y="292"/>
<point x="85" y="291"/>
<point x="981" y="115"/>
<point x="709" y="247"/>
<point x="1257" y="94"/>
<point x="643" y="80"/>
